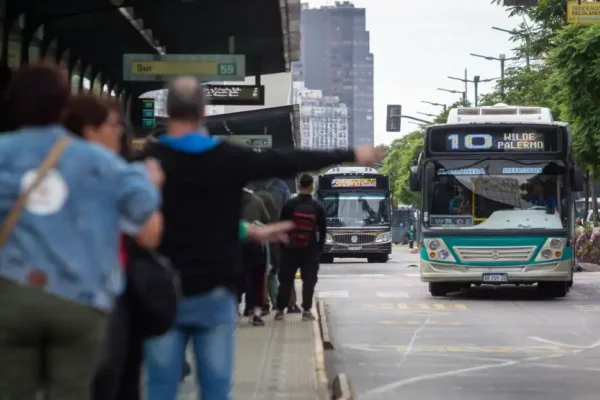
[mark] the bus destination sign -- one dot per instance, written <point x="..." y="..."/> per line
<point x="354" y="182"/>
<point x="494" y="139"/>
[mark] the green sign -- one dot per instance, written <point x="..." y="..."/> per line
<point x="149" y="123"/>
<point x="227" y="69"/>
<point x="148" y="117"/>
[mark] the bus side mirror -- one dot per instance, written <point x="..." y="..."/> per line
<point x="577" y="180"/>
<point x="414" y="182"/>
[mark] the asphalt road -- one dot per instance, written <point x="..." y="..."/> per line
<point x="395" y="341"/>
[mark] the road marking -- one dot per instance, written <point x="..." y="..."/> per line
<point x="588" y="308"/>
<point x="352" y="276"/>
<point x="402" y="295"/>
<point x="414" y="275"/>
<point x="431" y="306"/>
<point x="334" y="294"/>
<point x="372" y="275"/>
<point x="403" y="309"/>
<point x="330" y="276"/>
<point x="571" y="346"/>
<point x="554" y="350"/>
<point x="417" y="323"/>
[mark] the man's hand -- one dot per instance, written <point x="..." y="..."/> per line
<point x="156" y="172"/>
<point x="271" y="233"/>
<point x="368" y="155"/>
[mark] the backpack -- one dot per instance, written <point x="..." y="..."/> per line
<point x="272" y="200"/>
<point x="305" y="219"/>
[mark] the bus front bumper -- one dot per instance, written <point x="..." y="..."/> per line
<point x="343" y="250"/>
<point x="525" y="274"/>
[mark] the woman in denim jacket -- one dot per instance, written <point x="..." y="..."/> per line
<point x="59" y="273"/>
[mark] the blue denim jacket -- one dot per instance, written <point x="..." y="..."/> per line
<point x="69" y="232"/>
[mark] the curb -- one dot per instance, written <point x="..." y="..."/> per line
<point x="324" y="325"/>
<point x="342" y="389"/>
<point x="321" y="372"/>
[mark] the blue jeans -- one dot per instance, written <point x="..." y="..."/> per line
<point x="209" y="321"/>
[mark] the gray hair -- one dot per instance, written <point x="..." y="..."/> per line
<point x="186" y="99"/>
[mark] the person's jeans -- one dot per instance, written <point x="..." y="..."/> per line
<point x="209" y="322"/>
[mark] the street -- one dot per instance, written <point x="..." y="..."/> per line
<point x="395" y="341"/>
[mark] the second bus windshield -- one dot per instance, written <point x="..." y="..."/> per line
<point x="356" y="209"/>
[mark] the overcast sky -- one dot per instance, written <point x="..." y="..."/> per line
<point x="417" y="44"/>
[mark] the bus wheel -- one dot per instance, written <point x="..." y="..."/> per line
<point x="438" y="289"/>
<point x="553" y="289"/>
<point x="326" y="259"/>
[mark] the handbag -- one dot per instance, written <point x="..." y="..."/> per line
<point x="8" y="225"/>
<point x="155" y="288"/>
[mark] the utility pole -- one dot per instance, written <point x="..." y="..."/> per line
<point x="522" y="33"/>
<point x="463" y="94"/>
<point x="502" y="58"/>
<point x="476" y="81"/>
<point x="435" y="104"/>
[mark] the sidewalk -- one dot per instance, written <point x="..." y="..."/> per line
<point x="281" y="360"/>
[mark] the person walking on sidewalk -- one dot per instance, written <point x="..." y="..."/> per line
<point x="202" y="203"/>
<point x="304" y="248"/>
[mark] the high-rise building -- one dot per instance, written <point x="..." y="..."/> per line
<point x="335" y="58"/>
<point x="323" y="119"/>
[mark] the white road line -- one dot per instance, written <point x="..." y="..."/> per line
<point x="372" y="275"/>
<point x="395" y="295"/>
<point x="413" y="275"/>
<point x="330" y="276"/>
<point x="334" y="294"/>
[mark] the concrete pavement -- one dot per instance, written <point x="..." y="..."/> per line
<point x="282" y="360"/>
<point x="395" y="341"/>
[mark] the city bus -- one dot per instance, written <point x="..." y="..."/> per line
<point x="357" y="207"/>
<point x="497" y="189"/>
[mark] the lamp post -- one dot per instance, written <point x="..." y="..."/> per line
<point x="426" y="114"/>
<point x="502" y="58"/>
<point x="524" y="34"/>
<point x="476" y="81"/>
<point x="463" y="94"/>
<point x="435" y="104"/>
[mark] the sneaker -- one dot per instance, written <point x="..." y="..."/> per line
<point x="257" y="321"/>
<point x="294" y="310"/>
<point x="266" y="310"/>
<point x="278" y="315"/>
<point x="308" y="316"/>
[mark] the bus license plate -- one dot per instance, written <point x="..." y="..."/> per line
<point x="495" y="278"/>
<point x="354" y="248"/>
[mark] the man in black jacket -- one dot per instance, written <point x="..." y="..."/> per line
<point x="202" y="202"/>
<point x="304" y="249"/>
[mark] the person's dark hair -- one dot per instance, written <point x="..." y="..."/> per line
<point x="306" y="181"/>
<point x="86" y="109"/>
<point x="37" y="94"/>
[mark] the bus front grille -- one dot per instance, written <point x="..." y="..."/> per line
<point x="494" y="254"/>
<point x="361" y="238"/>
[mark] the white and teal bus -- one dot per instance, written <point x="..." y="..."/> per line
<point x="497" y="205"/>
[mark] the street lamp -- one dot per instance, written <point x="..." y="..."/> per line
<point x="463" y="94"/>
<point x="502" y="58"/>
<point x="523" y="33"/>
<point x="428" y="115"/>
<point x="435" y="104"/>
<point x="476" y="81"/>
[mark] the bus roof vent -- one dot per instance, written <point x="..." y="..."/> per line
<point x="499" y="111"/>
<point x="530" y="111"/>
<point x="468" y="111"/>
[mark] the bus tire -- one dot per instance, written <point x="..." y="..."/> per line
<point x="438" y="289"/>
<point x="560" y="289"/>
<point x="326" y="259"/>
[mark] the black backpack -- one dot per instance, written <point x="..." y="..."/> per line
<point x="305" y="219"/>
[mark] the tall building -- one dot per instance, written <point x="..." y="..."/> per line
<point x="323" y="119"/>
<point x="335" y="58"/>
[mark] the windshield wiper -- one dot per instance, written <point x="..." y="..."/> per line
<point x="486" y="158"/>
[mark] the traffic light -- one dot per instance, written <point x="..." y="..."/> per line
<point x="394" y="115"/>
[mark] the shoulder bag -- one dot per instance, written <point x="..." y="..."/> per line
<point x="17" y="210"/>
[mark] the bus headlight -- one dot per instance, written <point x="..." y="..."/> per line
<point x="433" y="245"/>
<point x="552" y="249"/>
<point x="328" y="239"/>
<point x="384" y="237"/>
<point x="436" y="249"/>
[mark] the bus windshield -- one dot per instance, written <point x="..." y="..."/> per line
<point x="356" y="209"/>
<point x="495" y="194"/>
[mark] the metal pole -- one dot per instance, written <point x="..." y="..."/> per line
<point x="466" y="85"/>
<point x="476" y="84"/>
<point x="502" y="77"/>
